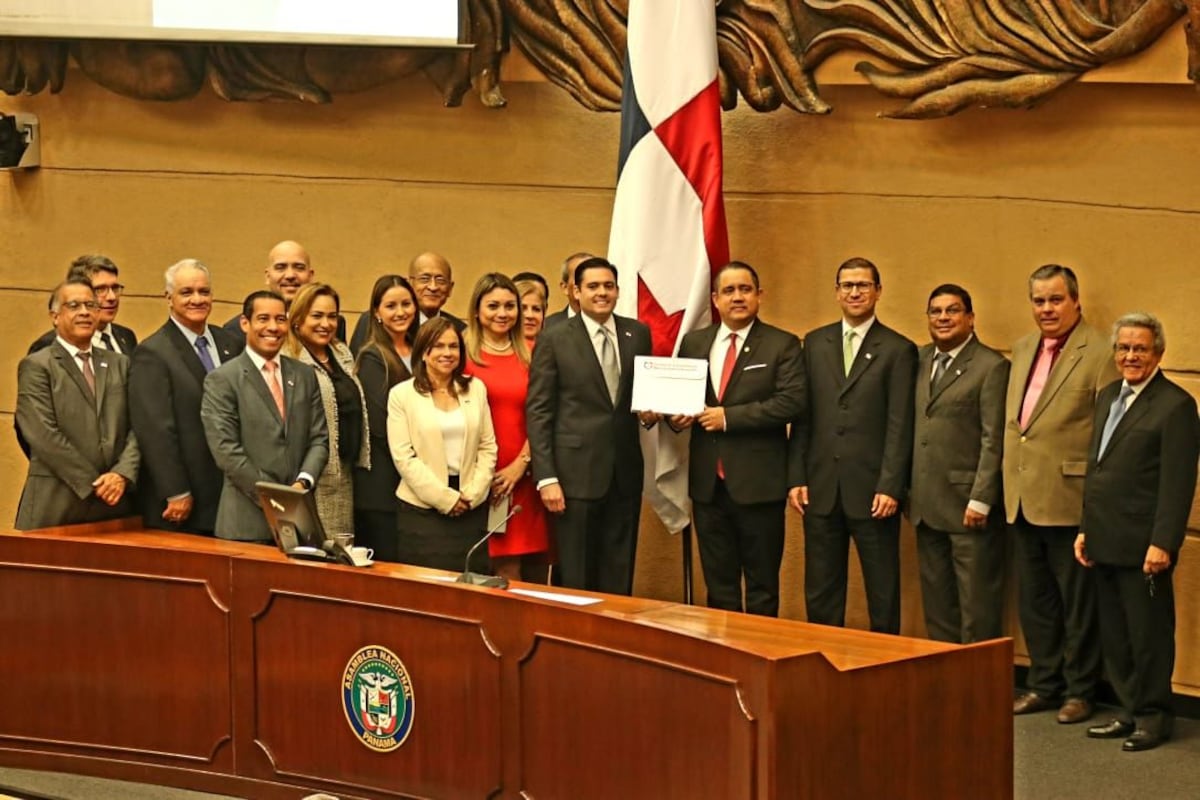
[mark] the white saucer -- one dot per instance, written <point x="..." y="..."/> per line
<point x="366" y="563"/>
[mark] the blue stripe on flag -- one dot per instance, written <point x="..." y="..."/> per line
<point x="634" y="124"/>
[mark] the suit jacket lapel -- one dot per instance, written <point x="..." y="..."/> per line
<point x="710" y="336"/>
<point x="833" y="354"/>
<point x="71" y="366"/>
<point x="924" y="370"/>
<point x="101" y="367"/>
<point x="187" y="354"/>
<point x="953" y="372"/>
<point x="1141" y="406"/>
<point x="1064" y="365"/>
<point x="586" y="352"/>
<point x="258" y="384"/>
<point x="625" y="356"/>
<point x="866" y="354"/>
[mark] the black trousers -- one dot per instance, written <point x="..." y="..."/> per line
<point x="597" y="542"/>
<point x="826" y="553"/>
<point x="740" y="542"/>
<point x="962" y="583"/>
<point x="1137" y="634"/>
<point x="1057" y="606"/>
<point x="377" y="530"/>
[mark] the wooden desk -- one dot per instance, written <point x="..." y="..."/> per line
<point x="217" y="666"/>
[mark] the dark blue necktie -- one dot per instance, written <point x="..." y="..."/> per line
<point x="202" y="351"/>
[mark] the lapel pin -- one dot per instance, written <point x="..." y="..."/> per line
<point x="291" y="384"/>
<point x="104" y="363"/>
<point x="745" y="349"/>
<point x="627" y="333"/>
<point x="868" y="356"/>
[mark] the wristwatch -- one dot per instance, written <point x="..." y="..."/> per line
<point x="305" y="482"/>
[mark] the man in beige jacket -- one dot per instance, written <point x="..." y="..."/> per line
<point x="1055" y="377"/>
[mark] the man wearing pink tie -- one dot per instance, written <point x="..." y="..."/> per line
<point x="1056" y="375"/>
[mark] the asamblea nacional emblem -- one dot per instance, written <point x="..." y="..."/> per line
<point x="377" y="697"/>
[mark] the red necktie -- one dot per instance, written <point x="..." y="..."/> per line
<point x="727" y="367"/>
<point x="726" y="371"/>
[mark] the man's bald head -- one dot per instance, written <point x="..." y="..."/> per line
<point x="288" y="269"/>
<point x="431" y="276"/>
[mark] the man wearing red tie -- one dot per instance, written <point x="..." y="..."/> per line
<point x="1056" y="374"/>
<point x="737" y="474"/>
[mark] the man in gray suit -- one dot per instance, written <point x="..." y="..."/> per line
<point x="72" y="409"/>
<point x="263" y="419"/>
<point x="956" y="484"/>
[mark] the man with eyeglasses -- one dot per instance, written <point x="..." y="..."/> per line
<point x="1057" y="371"/>
<point x="954" y="496"/>
<point x="433" y="280"/>
<point x="567" y="286"/>
<point x="104" y="276"/>
<point x="289" y="269"/>
<point x="848" y="461"/>
<point x="72" y="408"/>
<point x="1136" y="500"/>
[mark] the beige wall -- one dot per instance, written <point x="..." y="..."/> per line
<point x="1102" y="177"/>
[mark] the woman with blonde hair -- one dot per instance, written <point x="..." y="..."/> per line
<point x="499" y="356"/>
<point x="533" y="309"/>
<point x="312" y="338"/>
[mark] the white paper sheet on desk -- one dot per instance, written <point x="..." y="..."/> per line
<point x="669" y="385"/>
<point x="555" y="597"/>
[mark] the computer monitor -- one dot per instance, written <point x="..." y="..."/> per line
<point x="292" y="516"/>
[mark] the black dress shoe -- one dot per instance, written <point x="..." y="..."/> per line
<point x="1114" y="729"/>
<point x="1142" y="739"/>
<point x="1032" y="702"/>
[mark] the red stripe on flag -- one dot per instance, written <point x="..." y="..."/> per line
<point x="664" y="327"/>
<point x="692" y="135"/>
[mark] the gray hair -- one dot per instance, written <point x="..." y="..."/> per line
<point x="1050" y="271"/>
<point x="1142" y="319"/>
<point x="173" y="270"/>
<point x="56" y="293"/>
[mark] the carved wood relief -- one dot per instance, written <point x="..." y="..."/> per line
<point x="936" y="56"/>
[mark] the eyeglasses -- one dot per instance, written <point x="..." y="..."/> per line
<point x="114" y="289"/>
<point x="952" y="311"/>
<point x="75" y="305"/>
<point x="849" y="287"/>
<point x="439" y="281"/>
<point x="1131" y="349"/>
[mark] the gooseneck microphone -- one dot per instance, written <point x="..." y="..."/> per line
<point x="490" y="581"/>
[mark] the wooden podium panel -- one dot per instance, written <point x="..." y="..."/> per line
<point x="700" y="742"/>
<point x="299" y="626"/>
<point x="124" y="656"/>
<point x="221" y="666"/>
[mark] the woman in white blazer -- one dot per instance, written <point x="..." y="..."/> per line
<point x="441" y="439"/>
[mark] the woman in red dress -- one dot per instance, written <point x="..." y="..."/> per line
<point x="499" y="356"/>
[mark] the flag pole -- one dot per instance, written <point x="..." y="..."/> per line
<point x="685" y="537"/>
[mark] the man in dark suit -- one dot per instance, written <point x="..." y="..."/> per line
<point x="432" y="279"/>
<point x="104" y="276"/>
<point x="181" y="484"/>
<point x="849" y="461"/>
<point x="1056" y="373"/>
<point x="583" y="437"/>
<point x="567" y="285"/>
<point x="289" y="269"/>
<point x="1136" y="499"/>
<point x="954" y="496"/>
<point x="737" y="470"/>
<point x="71" y="405"/>
<point x="263" y="419"/>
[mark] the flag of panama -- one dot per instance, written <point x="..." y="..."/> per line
<point x="668" y="232"/>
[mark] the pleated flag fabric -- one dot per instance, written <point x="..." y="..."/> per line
<point x="668" y="231"/>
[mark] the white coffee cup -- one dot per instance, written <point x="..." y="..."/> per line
<point x="361" y="555"/>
